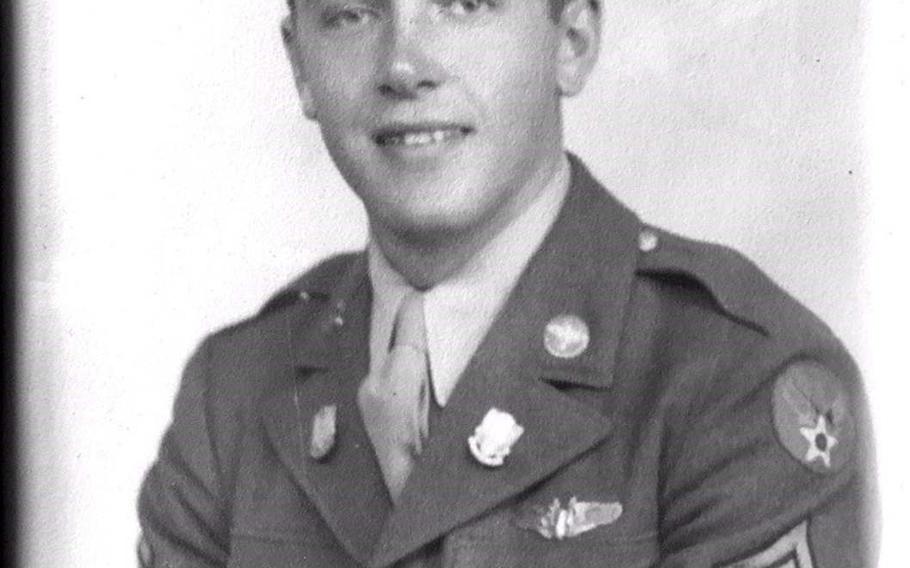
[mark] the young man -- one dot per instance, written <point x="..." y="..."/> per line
<point x="517" y="371"/>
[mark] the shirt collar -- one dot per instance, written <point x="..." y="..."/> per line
<point x="460" y="309"/>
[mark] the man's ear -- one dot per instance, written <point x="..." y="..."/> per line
<point x="579" y="44"/>
<point x="292" y="49"/>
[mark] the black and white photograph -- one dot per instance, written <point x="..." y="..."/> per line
<point x="461" y="283"/>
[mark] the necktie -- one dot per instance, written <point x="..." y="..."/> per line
<point x="395" y="402"/>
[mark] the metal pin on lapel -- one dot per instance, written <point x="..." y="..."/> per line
<point x="494" y="437"/>
<point x="566" y="336"/>
<point x="322" y="438"/>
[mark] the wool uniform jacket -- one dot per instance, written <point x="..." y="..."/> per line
<point x="709" y="416"/>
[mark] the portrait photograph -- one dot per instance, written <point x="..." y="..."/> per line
<point x="461" y="283"/>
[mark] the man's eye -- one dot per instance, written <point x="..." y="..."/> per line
<point x="348" y="17"/>
<point x="461" y="8"/>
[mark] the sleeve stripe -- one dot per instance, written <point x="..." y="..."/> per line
<point x="789" y="551"/>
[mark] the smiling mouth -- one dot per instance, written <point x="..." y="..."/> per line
<point x="420" y="135"/>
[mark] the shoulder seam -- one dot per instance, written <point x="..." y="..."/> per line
<point x="687" y="261"/>
<point x="330" y="268"/>
<point x="740" y="289"/>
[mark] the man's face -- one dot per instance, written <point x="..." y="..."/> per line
<point x="440" y="114"/>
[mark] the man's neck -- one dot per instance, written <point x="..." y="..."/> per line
<point x="425" y="259"/>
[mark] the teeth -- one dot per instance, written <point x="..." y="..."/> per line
<point x="421" y="138"/>
<point x="417" y="138"/>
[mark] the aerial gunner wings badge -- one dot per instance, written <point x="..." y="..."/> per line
<point x="558" y="522"/>
<point x="812" y="417"/>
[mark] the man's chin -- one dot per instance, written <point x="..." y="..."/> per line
<point x="432" y="227"/>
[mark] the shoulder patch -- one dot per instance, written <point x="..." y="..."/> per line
<point x="813" y="417"/>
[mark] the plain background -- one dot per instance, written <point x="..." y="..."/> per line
<point x="171" y="184"/>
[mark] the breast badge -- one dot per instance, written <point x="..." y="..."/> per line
<point x="578" y="517"/>
<point x="812" y="417"/>
<point x="494" y="437"/>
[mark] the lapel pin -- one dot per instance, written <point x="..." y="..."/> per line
<point x="558" y="523"/>
<point x="566" y="336"/>
<point x="494" y="437"/>
<point x="322" y="438"/>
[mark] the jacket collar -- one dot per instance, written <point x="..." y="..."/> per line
<point x="328" y="334"/>
<point x="584" y="267"/>
<point x="318" y="329"/>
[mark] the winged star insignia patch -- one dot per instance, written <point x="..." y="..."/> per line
<point x="821" y="442"/>
<point x="556" y="522"/>
<point x="812" y="417"/>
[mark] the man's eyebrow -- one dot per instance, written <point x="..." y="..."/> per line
<point x="292" y="4"/>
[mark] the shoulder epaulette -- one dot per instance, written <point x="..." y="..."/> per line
<point x="316" y="283"/>
<point x="740" y="289"/>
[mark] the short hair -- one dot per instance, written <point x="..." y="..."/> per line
<point x="556" y="7"/>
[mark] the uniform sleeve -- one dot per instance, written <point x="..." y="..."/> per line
<point x="180" y="512"/>
<point x="773" y="470"/>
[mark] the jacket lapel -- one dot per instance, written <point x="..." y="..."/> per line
<point x="346" y="486"/>
<point x="584" y="268"/>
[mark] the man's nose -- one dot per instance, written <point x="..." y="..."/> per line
<point x="409" y="69"/>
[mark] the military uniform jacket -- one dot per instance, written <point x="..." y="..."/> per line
<point x="717" y="419"/>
